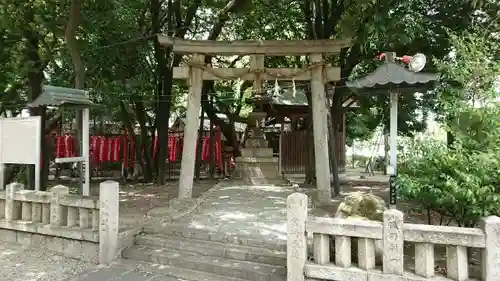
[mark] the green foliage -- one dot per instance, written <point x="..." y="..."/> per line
<point x="115" y="39"/>
<point x="477" y="129"/>
<point x="460" y="182"/>
<point x="469" y="75"/>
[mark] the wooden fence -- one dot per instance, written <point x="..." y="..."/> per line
<point x="294" y="149"/>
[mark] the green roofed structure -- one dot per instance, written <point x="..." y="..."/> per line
<point x="60" y="96"/>
<point x="78" y="99"/>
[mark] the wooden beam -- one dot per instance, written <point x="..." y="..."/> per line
<point x="257" y="63"/>
<point x="264" y="47"/>
<point x="348" y="98"/>
<point x="270" y="74"/>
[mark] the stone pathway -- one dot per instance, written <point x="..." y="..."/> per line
<point x="125" y="272"/>
<point x="242" y="210"/>
<point x="257" y="211"/>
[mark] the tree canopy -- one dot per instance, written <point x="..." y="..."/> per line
<point x="130" y="76"/>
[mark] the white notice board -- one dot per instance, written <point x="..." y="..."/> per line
<point x="20" y="143"/>
<point x="20" y="140"/>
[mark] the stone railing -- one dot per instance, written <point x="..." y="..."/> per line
<point x="391" y="234"/>
<point x="82" y="227"/>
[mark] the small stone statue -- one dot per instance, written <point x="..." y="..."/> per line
<point x="364" y="206"/>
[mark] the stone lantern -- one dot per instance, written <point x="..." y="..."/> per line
<point x="257" y="165"/>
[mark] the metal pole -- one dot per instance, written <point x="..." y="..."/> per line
<point x="39" y="151"/>
<point x="392" y="168"/>
<point x="280" y="144"/>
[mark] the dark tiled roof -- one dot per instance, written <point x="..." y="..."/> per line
<point x="57" y="96"/>
<point x="390" y="76"/>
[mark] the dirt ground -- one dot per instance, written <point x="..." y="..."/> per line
<point x="136" y="199"/>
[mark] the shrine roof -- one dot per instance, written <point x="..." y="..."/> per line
<point x="391" y="75"/>
<point x="60" y="96"/>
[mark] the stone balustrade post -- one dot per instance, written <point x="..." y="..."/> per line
<point x="490" y="258"/>
<point x="36" y="210"/>
<point x="393" y="242"/>
<point x="108" y="221"/>
<point x="296" y="245"/>
<point x="58" y="213"/>
<point x="12" y="209"/>
<point x="72" y="218"/>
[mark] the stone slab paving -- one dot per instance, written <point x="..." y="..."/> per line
<point x="242" y="210"/>
<point x="256" y="211"/>
<point x="121" y="273"/>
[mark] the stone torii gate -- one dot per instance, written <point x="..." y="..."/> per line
<point x="317" y="72"/>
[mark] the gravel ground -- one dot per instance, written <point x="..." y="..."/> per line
<point x="18" y="264"/>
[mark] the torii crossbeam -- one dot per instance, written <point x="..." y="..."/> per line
<point x="317" y="72"/>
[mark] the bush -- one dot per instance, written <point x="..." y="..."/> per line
<point x="460" y="181"/>
<point x="459" y="184"/>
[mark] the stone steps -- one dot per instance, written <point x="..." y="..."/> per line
<point x="214" y="249"/>
<point x="246" y="270"/>
<point x="177" y="272"/>
<point x="182" y="231"/>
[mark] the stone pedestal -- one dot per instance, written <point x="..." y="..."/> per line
<point x="257" y="166"/>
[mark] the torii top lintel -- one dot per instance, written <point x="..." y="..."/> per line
<point x="255" y="47"/>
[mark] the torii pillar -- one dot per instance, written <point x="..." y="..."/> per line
<point x="320" y="130"/>
<point x="191" y="129"/>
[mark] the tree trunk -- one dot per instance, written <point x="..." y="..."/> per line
<point x="211" y="148"/>
<point x="143" y="141"/>
<point x="386" y="152"/>
<point x="129" y="125"/>
<point x="72" y="43"/>
<point x="311" y="164"/>
<point x="233" y="6"/>
<point x="450" y="138"/>
<point x="35" y="77"/>
<point x="199" y="148"/>
<point x="332" y="145"/>
<point x="164" y="78"/>
<point x="336" y="119"/>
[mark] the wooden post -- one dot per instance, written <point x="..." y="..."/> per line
<point x="320" y="131"/>
<point x="257" y="63"/>
<point x="191" y="129"/>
